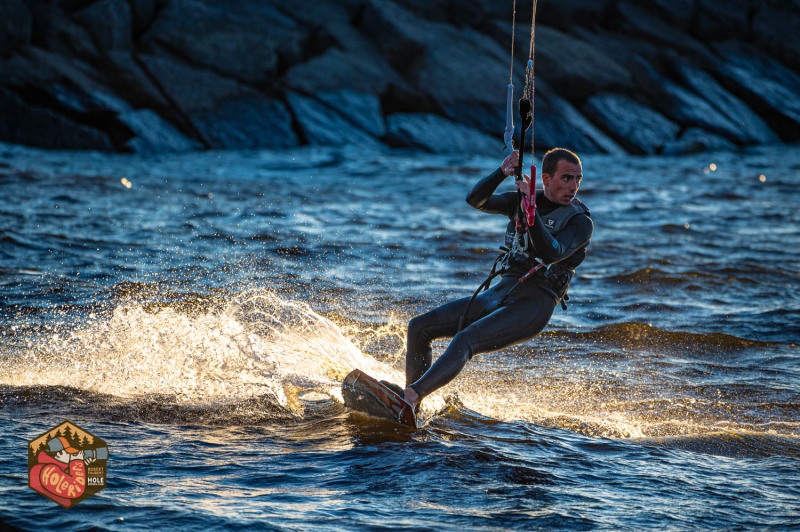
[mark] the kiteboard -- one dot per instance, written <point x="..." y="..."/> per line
<point x="365" y="394"/>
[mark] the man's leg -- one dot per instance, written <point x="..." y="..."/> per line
<point x="515" y="322"/>
<point x="440" y="322"/>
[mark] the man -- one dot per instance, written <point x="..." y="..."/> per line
<point x="544" y="244"/>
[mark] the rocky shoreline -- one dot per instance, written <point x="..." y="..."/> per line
<point x="612" y="76"/>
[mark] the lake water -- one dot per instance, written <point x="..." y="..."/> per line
<point x="198" y="312"/>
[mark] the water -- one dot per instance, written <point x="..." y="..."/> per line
<point x="198" y="313"/>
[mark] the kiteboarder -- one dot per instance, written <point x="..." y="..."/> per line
<point x="546" y="239"/>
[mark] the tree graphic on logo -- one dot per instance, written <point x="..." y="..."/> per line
<point x="67" y="464"/>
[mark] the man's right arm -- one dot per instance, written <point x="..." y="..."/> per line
<point x="483" y="198"/>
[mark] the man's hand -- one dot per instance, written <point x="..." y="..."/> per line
<point x="524" y="184"/>
<point x="509" y="166"/>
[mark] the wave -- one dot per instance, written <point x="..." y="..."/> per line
<point x="257" y="346"/>
<point x="637" y="335"/>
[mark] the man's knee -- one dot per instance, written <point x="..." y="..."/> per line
<point x="466" y="341"/>
<point x="418" y="325"/>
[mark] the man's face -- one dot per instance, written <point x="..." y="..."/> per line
<point x="563" y="185"/>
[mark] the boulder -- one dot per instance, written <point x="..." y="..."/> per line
<point x="362" y="109"/>
<point x="246" y="41"/>
<point x="465" y="79"/>
<point x="110" y="24"/>
<point x="687" y="108"/>
<point x="221" y="112"/>
<point x="153" y="134"/>
<point x="695" y="140"/>
<point x="398" y="34"/>
<point x="323" y="126"/>
<point x="188" y="87"/>
<point x="122" y="73"/>
<point x="634" y="19"/>
<point x="23" y="123"/>
<point x="15" y="25"/>
<point x="559" y="124"/>
<point x="637" y="127"/>
<point x="143" y="13"/>
<point x="52" y="30"/>
<point x="627" y="50"/>
<point x="775" y="30"/>
<point x="247" y="122"/>
<point x="751" y="128"/>
<point x="338" y="70"/>
<point x="680" y="13"/>
<point x="766" y="85"/>
<point x="721" y="19"/>
<point x="577" y="68"/>
<point x="566" y="13"/>
<point x="436" y="134"/>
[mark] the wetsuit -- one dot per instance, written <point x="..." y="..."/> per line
<point x="510" y="312"/>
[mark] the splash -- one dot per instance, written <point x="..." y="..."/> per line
<point x="258" y="344"/>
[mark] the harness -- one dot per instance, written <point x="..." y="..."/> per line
<point x="552" y="278"/>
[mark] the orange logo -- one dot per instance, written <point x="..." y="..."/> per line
<point x="67" y="464"/>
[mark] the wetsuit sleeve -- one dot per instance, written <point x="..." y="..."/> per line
<point x="483" y="198"/>
<point x="575" y="236"/>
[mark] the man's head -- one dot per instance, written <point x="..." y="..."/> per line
<point x="561" y="175"/>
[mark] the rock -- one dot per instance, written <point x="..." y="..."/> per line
<point x="221" y="112"/>
<point x="189" y="87"/>
<point x="435" y="134"/>
<point x="338" y="70"/>
<point x="52" y="30"/>
<point x="153" y="134"/>
<point x="695" y="140"/>
<point x="775" y="30"/>
<point x="680" y="13"/>
<point x="123" y="74"/>
<point x="464" y="77"/>
<point x="686" y="107"/>
<point x="247" y="45"/>
<point x="559" y="124"/>
<point x="398" y="34"/>
<point x="323" y="126"/>
<point x="626" y="50"/>
<point x="751" y="128"/>
<point x="109" y="22"/>
<point x="247" y="122"/>
<point x="15" y="25"/>
<point x="22" y="123"/>
<point x="456" y="72"/>
<point x="143" y="13"/>
<point x="577" y="68"/>
<point x="767" y="86"/>
<point x="715" y="19"/>
<point x="361" y="109"/>
<point x="637" y="127"/>
<point x="564" y="14"/>
<point x="632" y="18"/>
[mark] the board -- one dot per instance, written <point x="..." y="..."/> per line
<point x="365" y="394"/>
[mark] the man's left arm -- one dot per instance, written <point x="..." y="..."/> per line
<point x="574" y="237"/>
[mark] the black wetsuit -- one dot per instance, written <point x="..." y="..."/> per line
<point x="509" y="312"/>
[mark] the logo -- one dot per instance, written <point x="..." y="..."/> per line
<point x="550" y="223"/>
<point x="67" y="464"/>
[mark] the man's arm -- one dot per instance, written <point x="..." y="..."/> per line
<point x="575" y="236"/>
<point x="483" y="198"/>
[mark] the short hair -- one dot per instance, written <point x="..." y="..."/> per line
<point x="552" y="157"/>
